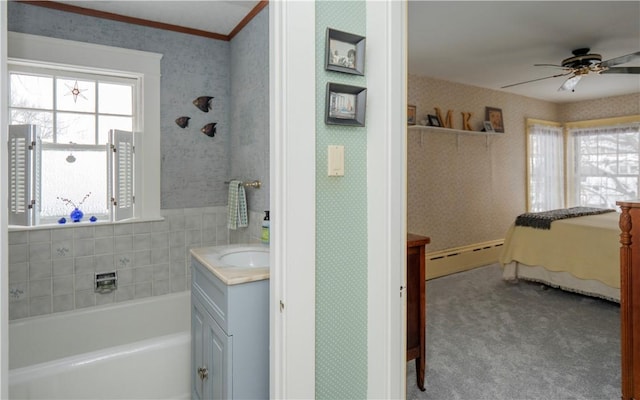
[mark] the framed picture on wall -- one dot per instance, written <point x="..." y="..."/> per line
<point x="344" y="52"/>
<point x="411" y="115"/>
<point x="434" y="120"/>
<point x="345" y="105"/>
<point x="494" y="115"/>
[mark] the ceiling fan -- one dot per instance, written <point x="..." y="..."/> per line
<point x="583" y="63"/>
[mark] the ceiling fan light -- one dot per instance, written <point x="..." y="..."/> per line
<point x="570" y="84"/>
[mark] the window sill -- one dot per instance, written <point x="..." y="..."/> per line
<point x="18" y="228"/>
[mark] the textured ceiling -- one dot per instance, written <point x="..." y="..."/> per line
<point x="493" y="44"/>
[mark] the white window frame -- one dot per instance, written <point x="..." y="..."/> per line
<point x="570" y="199"/>
<point x="573" y="128"/>
<point x="145" y="66"/>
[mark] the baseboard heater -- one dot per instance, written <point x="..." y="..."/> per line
<point x="458" y="259"/>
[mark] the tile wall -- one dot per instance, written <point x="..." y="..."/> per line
<point x="52" y="270"/>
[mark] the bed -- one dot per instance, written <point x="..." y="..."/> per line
<point x="578" y="254"/>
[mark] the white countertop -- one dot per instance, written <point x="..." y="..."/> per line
<point x="230" y="275"/>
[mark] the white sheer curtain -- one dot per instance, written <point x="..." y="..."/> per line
<point x="546" y="167"/>
<point x="603" y="165"/>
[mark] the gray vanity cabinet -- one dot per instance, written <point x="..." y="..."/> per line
<point x="229" y="337"/>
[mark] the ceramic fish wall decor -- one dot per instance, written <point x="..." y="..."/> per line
<point x="203" y="103"/>
<point x="183" y="122"/>
<point x="209" y="129"/>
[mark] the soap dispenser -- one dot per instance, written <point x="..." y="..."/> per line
<point x="265" y="228"/>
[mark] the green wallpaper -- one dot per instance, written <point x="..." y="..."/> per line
<point x="341" y="232"/>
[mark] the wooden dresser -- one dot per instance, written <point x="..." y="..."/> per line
<point x="630" y="298"/>
<point x="416" y="303"/>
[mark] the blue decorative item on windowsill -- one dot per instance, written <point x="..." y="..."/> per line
<point x="76" y="215"/>
<point x="93" y="218"/>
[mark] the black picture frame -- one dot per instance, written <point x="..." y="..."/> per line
<point x="488" y="127"/>
<point x="345" y="105"/>
<point x="494" y="115"/>
<point x="411" y="114"/>
<point x="344" y="52"/>
<point x="434" y="120"/>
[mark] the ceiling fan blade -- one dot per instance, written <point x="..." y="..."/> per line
<point x="549" y="65"/>
<point x="570" y="84"/>
<point x="622" y="70"/>
<point x="534" y="80"/>
<point x="620" y="60"/>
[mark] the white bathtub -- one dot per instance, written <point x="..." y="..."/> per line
<point x="133" y="350"/>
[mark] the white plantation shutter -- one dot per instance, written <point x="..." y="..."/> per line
<point x="23" y="151"/>
<point x="121" y="171"/>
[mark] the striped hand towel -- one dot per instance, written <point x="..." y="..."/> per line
<point x="237" y="216"/>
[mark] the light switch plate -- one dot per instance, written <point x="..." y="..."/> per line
<point x="336" y="160"/>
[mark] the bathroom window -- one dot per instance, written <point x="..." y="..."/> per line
<point x="78" y="128"/>
<point x="93" y="113"/>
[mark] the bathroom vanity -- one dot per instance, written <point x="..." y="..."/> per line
<point x="229" y="327"/>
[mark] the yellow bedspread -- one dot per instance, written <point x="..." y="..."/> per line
<point x="587" y="247"/>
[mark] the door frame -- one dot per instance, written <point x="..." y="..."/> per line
<point x="292" y="176"/>
<point x="4" y="195"/>
<point x="386" y="174"/>
<point x="292" y="198"/>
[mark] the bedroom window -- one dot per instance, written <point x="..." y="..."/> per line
<point x="603" y="164"/>
<point x="545" y="166"/>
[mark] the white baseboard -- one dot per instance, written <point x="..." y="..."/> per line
<point x="458" y="259"/>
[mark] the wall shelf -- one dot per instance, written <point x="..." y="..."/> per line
<point x="424" y="128"/>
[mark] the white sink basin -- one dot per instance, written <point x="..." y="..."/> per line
<point x="248" y="258"/>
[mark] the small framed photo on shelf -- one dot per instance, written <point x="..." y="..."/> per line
<point x="434" y="120"/>
<point x="411" y="115"/>
<point x="488" y="127"/>
<point x="494" y="116"/>
<point x="345" y="105"/>
<point x="344" y="52"/>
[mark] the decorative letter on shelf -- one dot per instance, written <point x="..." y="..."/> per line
<point x="446" y="122"/>
<point x="466" y="116"/>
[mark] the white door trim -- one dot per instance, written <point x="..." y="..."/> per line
<point x="4" y="195"/>
<point x="386" y="193"/>
<point x="293" y="187"/>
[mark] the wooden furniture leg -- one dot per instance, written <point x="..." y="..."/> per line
<point x="416" y="304"/>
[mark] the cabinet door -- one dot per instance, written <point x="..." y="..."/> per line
<point x="214" y="357"/>
<point x="197" y="348"/>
